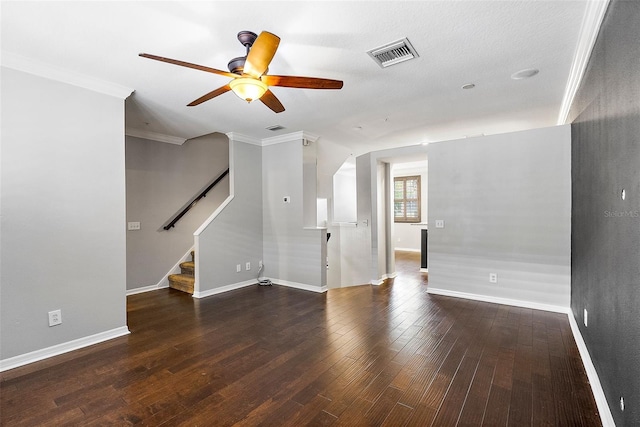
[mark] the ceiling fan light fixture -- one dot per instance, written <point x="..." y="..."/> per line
<point x="247" y="88"/>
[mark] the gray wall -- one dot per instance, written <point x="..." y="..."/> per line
<point x="606" y="229"/>
<point x="291" y="253"/>
<point x="235" y="236"/>
<point x="506" y="203"/>
<point x="161" y="179"/>
<point x="63" y="213"/>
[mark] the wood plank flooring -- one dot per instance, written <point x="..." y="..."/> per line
<point x="390" y="355"/>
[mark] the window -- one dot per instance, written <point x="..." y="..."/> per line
<point x="406" y="199"/>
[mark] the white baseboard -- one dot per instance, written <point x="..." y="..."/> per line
<point x="424" y="270"/>
<point x="45" y="353"/>
<point x="225" y="288"/>
<point x="592" y="374"/>
<point x="498" y="300"/>
<point x="407" y="250"/>
<point x="297" y="285"/>
<point x="246" y="283"/>
<point x="380" y="281"/>
<point x="143" y="289"/>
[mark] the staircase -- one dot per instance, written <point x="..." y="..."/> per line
<point x="185" y="280"/>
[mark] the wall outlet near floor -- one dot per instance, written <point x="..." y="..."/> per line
<point x="585" y="317"/>
<point x="133" y="225"/>
<point x="238" y="268"/>
<point x="55" y="317"/>
<point x="248" y="266"/>
<point x="439" y="223"/>
<point x="493" y="277"/>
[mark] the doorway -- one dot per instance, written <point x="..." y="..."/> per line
<point x="409" y="211"/>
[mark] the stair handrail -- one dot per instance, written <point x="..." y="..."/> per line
<point x="195" y="200"/>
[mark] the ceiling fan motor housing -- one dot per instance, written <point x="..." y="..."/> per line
<point x="247" y="38"/>
<point x="236" y="65"/>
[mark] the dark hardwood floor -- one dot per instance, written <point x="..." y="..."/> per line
<point x="390" y="355"/>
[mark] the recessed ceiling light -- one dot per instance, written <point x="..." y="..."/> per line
<point x="468" y="86"/>
<point x="525" y="74"/>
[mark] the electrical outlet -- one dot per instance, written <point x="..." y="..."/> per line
<point x="585" y="317"/>
<point x="439" y="223"/>
<point x="133" y="225"/>
<point x="238" y="268"/>
<point x="493" y="277"/>
<point x="248" y="266"/>
<point x="55" y="317"/>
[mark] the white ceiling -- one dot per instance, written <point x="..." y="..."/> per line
<point x="459" y="42"/>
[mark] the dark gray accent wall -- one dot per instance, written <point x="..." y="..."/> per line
<point x="605" y="240"/>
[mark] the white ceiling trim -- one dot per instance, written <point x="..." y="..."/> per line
<point x="154" y="136"/>
<point x="37" y="68"/>
<point x="294" y="136"/>
<point x="234" y="136"/>
<point x="594" y="14"/>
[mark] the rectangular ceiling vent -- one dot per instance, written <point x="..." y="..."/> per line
<point x="276" y="127"/>
<point x="393" y="53"/>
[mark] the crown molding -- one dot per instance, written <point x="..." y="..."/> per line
<point x="154" y="136"/>
<point x="234" y="136"/>
<point x="52" y="72"/>
<point x="294" y="136"/>
<point x="593" y="17"/>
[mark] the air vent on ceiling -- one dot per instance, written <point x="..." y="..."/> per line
<point x="393" y="53"/>
<point x="275" y="128"/>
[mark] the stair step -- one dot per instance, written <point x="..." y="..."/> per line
<point x="188" y="267"/>
<point x="182" y="282"/>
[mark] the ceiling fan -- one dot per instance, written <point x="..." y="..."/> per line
<point x="250" y="80"/>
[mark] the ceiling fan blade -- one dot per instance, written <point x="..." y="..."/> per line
<point x="189" y="65"/>
<point x="261" y="54"/>
<point x="302" y="82"/>
<point x="210" y="95"/>
<point x="270" y="100"/>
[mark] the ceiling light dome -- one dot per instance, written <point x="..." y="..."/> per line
<point x="525" y="74"/>
<point x="248" y="88"/>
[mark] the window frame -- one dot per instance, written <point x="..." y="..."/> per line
<point x="404" y="200"/>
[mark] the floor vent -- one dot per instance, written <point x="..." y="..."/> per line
<point x="275" y="128"/>
<point x="393" y="53"/>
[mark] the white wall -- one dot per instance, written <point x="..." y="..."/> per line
<point x="63" y="214"/>
<point x="161" y="179"/>
<point x="506" y="203"/>
<point x="235" y="236"/>
<point x="345" y="193"/>
<point x="293" y="255"/>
